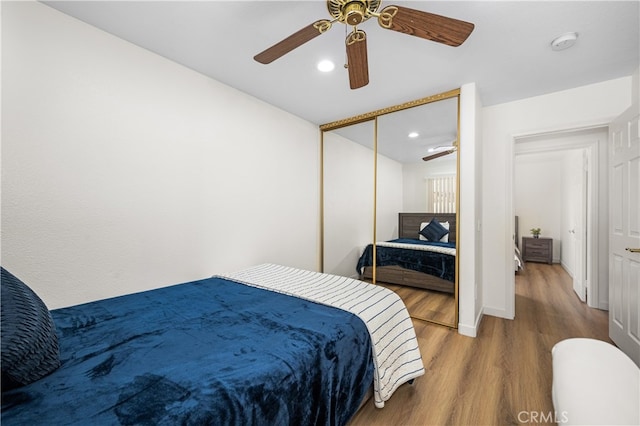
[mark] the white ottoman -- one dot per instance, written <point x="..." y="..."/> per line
<point x="594" y="383"/>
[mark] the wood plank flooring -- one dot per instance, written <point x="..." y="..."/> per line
<point x="501" y="377"/>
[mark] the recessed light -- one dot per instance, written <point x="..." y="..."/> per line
<point x="413" y="135"/>
<point x="326" y="65"/>
<point x="564" y="41"/>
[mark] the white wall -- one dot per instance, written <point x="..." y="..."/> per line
<point x="538" y="196"/>
<point x="348" y="202"/>
<point x="415" y="175"/>
<point x="123" y="171"/>
<point x="546" y="196"/>
<point x="389" y="198"/>
<point x="349" y="198"/>
<point x="570" y="109"/>
<point x="635" y="98"/>
<point x="470" y="298"/>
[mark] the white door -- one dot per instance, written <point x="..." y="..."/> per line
<point x="579" y="231"/>
<point x="624" y="233"/>
<point x="579" y="286"/>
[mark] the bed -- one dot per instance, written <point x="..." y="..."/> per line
<point x="266" y="345"/>
<point x="412" y="261"/>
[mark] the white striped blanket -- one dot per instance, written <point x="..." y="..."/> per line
<point x="423" y="247"/>
<point x="396" y="355"/>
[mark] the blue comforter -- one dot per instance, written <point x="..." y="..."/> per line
<point x="207" y="352"/>
<point x="432" y="263"/>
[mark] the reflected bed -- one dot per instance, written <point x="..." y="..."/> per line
<point x="399" y="264"/>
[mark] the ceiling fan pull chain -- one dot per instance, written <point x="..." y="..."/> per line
<point x="346" y="60"/>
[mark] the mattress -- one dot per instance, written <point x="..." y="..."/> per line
<point x="213" y="351"/>
<point x="396" y="354"/>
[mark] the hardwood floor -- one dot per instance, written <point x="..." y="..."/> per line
<point x="501" y="377"/>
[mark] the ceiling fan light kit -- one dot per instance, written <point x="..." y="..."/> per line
<point x="429" y="26"/>
<point x="354" y="12"/>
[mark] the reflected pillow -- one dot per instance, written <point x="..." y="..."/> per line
<point x="444" y="239"/>
<point x="434" y="231"/>
<point x="29" y="340"/>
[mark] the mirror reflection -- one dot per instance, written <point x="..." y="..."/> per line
<point x="416" y="208"/>
<point x="409" y="195"/>
<point x="348" y="156"/>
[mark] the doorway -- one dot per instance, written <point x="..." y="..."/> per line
<point x="560" y="179"/>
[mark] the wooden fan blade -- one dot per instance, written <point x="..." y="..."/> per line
<point x="441" y="29"/>
<point x="357" y="61"/>
<point x="294" y="40"/>
<point x="438" y="155"/>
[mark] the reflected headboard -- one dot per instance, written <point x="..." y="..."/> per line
<point x="409" y="223"/>
<point x="516" y="235"/>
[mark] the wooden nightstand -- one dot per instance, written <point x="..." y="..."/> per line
<point x="537" y="249"/>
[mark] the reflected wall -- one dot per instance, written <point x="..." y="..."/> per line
<point x="348" y="197"/>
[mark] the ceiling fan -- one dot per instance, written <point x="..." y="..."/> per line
<point x="441" y="29"/>
<point x="450" y="150"/>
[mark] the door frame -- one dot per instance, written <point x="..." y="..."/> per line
<point x="597" y="247"/>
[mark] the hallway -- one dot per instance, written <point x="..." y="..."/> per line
<point x="503" y="376"/>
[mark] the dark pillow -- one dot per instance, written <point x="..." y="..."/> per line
<point x="434" y="231"/>
<point x="29" y="341"/>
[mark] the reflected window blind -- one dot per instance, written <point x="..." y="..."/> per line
<point x="441" y="194"/>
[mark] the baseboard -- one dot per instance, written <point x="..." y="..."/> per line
<point x="566" y="269"/>
<point x="500" y="313"/>
<point x="471" y="330"/>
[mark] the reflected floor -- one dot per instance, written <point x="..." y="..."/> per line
<point x="426" y="305"/>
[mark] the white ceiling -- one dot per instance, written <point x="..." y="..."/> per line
<point x="508" y="55"/>
<point x="436" y="125"/>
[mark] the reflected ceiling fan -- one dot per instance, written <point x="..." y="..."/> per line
<point x="441" y="29"/>
<point x="449" y="150"/>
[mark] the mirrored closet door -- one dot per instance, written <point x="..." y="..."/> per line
<point x="348" y="196"/>
<point x="413" y="149"/>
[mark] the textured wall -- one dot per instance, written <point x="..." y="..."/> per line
<point x="123" y="171"/>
